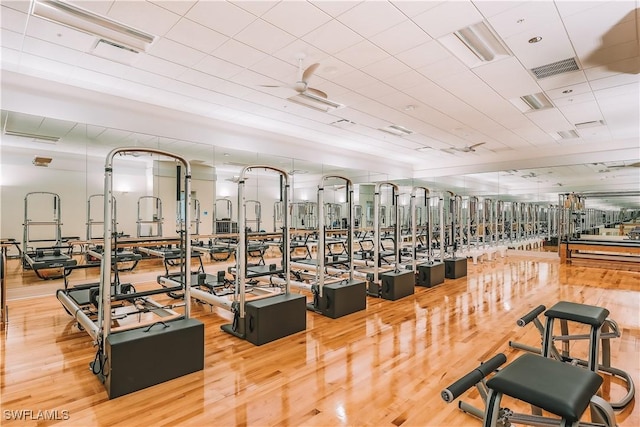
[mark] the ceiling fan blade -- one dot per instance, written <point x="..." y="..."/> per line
<point x="476" y="145"/>
<point x="317" y="92"/>
<point x="309" y="71"/>
<point x="273" y="86"/>
<point x="449" y="150"/>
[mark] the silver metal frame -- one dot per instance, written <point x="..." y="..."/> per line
<point x="157" y="221"/>
<point x="104" y="308"/>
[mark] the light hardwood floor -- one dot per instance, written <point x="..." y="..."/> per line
<point x="382" y="366"/>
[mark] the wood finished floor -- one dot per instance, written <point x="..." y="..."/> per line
<point x="382" y="366"/>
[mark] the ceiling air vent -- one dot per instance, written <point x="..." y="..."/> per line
<point x="342" y="123"/>
<point x="568" y="134"/>
<point x="555" y="68"/>
<point x="397" y="130"/>
<point x="590" y="124"/>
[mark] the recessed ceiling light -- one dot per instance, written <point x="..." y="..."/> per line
<point x="409" y="107"/>
<point x="535" y="39"/>
<point x="475" y="44"/>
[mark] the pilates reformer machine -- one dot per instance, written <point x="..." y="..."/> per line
<point x="127" y="260"/>
<point x="194" y="224"/>
<point x="428" y="271"/>
<point x="150" y="220"/>
<point x="141" y="342"/>
<point x="261" y="313"/>
<point x="50" y="261"/>
<point x="334" y="295"/>
<point x="395" y="283"/>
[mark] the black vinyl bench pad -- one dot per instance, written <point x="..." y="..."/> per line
<point x="556" y="387"/>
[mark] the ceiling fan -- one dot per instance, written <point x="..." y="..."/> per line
<point x="302" y="85"/>
<point x="465" y="149"/>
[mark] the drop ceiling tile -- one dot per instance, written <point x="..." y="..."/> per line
<point x="159" y="66"/>
<point x="562" y="80"/>
<point x="448" y="17"/>
<point x="334" y="8"/>
<point x="444" y="68"/>
<point x="354" y="79"/>
<point x="299" y="48"/>
<point x="375" y="90"/>
<point x="404" y="36"/>
<point x="203" y="80"/>
<point x="490" y="8"/>
<point x="179" y="7"/>
<point x="575" y="90"/>
<point x="197" y="36"/>
<point x="258" y="8"/>
<point x="19" y="5"/>
<point x="176" y="52"/>
<point x="526" y="18"/>
<point x="284" y="15"/>
<point x="581" y="112"/>
<point x="362" y="54"/>
<point x="144" y="16"/>
<point x="550" y="120"/>
<point x="218" y="67"/>
<point x="264" y="36"/>
<point x="568" y="8"/>
<point x="519" y="82"/>
<point x="617" y="80"/>
<point x="372" y="17"/>
<point x="412" y="8"/>
<point x="12" y="19"/>
<point x="11" y="39"/>
<point x="555" y="46"/>
<point x="405" y="81"/>
<point x="332" y="37"/>
<point x="102" y="65"/>
<point x="423" y="55"/>
<point x="630" y="90"/>
<point x="239" y="53"/>
<point x="386" y="68"/>
<point x="277" y="69"/>
<point x="208" y="13"/>
<point x="59" y="34"/>
<point x="49" y="50"/>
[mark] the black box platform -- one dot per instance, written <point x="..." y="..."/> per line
<point x="140" y="358"/>
<point x="430" y="274"/>
<point x="342" y="298"/>
<point x="397" y="284"/>
<point x="454" y="268"/>
<point x="272" y="318"/>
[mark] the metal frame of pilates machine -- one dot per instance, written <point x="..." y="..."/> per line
<point x="142" y="355"/>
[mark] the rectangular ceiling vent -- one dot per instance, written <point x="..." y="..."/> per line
<point x="590" y="124"/>
<point x="48" y="139"/>
<point x="397" y="130"/>
<point x="555" y="68"/>
<point x="316" y="102"/>
<point x="343" y="123"/>
<point x="568" y="134"/>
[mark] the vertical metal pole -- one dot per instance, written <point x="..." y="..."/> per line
<point x="241" y="250"/>
<point x="187" y="239"/>
<point x="376" y="232"/>
<point x="286" y="234"/>
<point x="321" y="239"/>
<point x="414" y="226"/>
<point x="104" y="305"/>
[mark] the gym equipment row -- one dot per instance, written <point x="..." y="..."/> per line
<point x="550" y="379"/>
<point x="140" y="340"/>
<point x="49" y="261"/>
<point x="260" y="313"/>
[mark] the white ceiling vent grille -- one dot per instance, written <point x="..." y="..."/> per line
<point x="564" y="66"/>
<point x="591" y="124"/>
